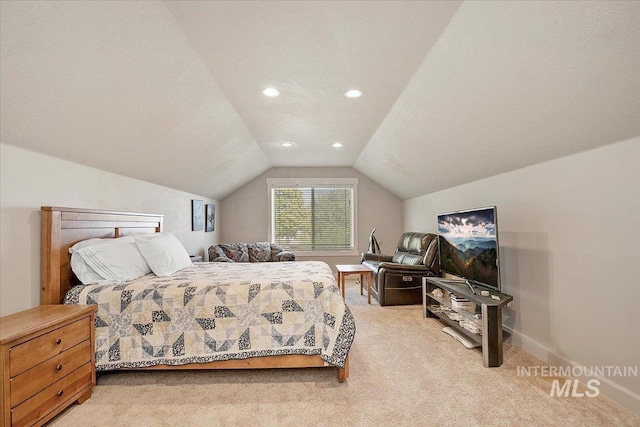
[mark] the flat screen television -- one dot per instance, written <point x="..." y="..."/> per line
<point x="469" y="246"/>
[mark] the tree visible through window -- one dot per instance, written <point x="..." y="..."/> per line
<point x="319" y="218"/>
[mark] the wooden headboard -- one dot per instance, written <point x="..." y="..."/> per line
<point x="63" y="227"/>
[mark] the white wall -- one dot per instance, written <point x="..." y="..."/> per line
<point x="569" y="233"/>
<point x="29" y="180"/>
<point x="245" y="213"/>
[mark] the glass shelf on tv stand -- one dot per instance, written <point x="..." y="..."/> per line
<point x="475" y="317"/>
<point x="461" y="311"/>
<point x="476" y="338"/>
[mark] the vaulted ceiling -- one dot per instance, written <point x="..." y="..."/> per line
<point x="170" y="92"/>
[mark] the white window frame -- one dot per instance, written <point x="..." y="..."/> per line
<point x="316" y="182"/>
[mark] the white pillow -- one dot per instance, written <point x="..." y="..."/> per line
<point x="83" y="272"/>
<point x="163" y="252"/>
<point x="83" y="243"/>
<point x="116" y="260"/>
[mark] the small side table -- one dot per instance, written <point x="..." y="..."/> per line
<point x="346" y="269"/>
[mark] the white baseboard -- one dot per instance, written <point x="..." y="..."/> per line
<point x="609" y="388"/>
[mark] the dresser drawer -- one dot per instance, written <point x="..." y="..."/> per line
<point x="40" y="376"/>
<point x="37" y="350"/>
<point x="51" y="397"/>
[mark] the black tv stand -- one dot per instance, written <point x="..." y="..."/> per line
<point x="489" y="309"/>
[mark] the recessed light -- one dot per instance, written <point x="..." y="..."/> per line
<point x="353" y="93"/>
<point x="336" y="145"/>
<point x="271" y="92"/>
<point x="287" y="144"/>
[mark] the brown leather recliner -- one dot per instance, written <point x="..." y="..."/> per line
<point x="397" y="278"/>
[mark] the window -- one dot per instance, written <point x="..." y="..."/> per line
<point x="314" y="215"/>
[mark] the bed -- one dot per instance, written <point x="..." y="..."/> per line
<point x="206" y="316"/>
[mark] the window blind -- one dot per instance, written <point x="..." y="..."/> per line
<point x="313" y="218"/>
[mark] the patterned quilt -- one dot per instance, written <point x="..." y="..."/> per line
<point x="220" y="311"/>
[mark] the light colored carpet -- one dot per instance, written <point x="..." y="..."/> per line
<point x="404" y="371"/>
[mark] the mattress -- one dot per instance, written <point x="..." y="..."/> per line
<point x="220" y="311"/>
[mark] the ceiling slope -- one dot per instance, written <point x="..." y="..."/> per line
<point x="169" y="92"/>
<point x="510" y="84"/>
<point x="116" y="86"/>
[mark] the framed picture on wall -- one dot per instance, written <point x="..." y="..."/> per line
<point x="210" y="215"/>
<point x="197" y="215"/>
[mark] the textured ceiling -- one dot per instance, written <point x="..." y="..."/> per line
<point x="169" y="92"/>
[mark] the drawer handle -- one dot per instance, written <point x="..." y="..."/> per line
<point x="59" y="341"/>
<point x="59" y="368"/>
<point x="60" y="393"/>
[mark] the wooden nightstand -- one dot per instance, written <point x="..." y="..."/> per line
<point x="47" y="357"/>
